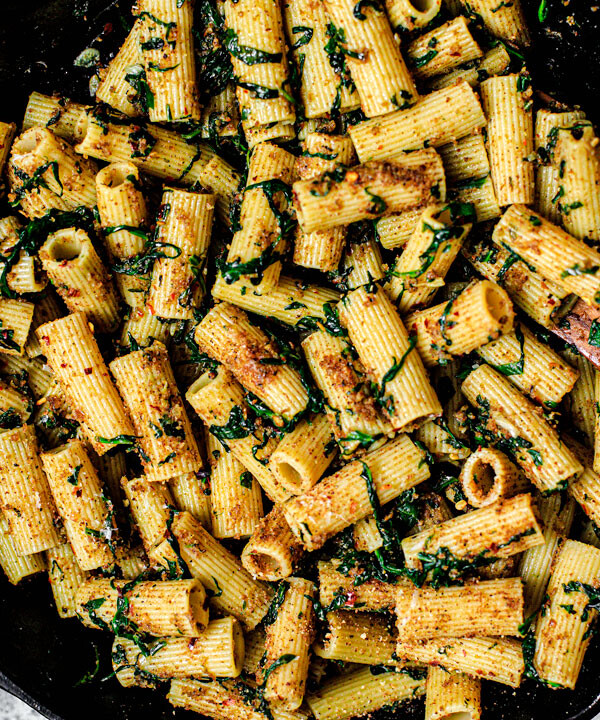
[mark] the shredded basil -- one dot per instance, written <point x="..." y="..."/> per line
<point x="516" y="367"/>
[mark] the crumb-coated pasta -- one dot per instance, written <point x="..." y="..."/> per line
<point x="17" y="567"/>
<point x="451" y="695"/>
<point x="65" y="576"/>
<point x="357" y="637"/>
<point x="489" y="475"/>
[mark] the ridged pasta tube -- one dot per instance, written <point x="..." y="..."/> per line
<point x="152" y="507"/>
<point x="272" y="551"/>
<point x="23" y="276"/>
<point x="442" y="49"/>
<point x="372" y="595"/>
<point x="191" y="492"/>
<point x="74" y="356"/>
<point x="357" y="637"/>
<point x="16" y="317"/>
<point x="546" y="178"/>
<point x="427" y="124"/>
<point x="491" y="606"/>
<point x="227" y="335"/>
<point x="323" y="88"/>
<point x="388" y="354"/>
<point x="235" y="496"/>
<point x="25" y="498"/>
<point x="80" y="277"/>
<point x="500" y="530"/>
<point x="465" y="159"/>
<point x="576" y="161"/>
<point x="290" y="636"/>
<point x="141" y="328"/>
<point x="433" y="246"/>
<point x="58" y="113"/>
<point x="86" y="511"/>
<point x="511" y="417"/>
<point x="166" y="45"/>
<point x="552" y="252"/>
<point x="507" y="104"/>
<point x="494" y="62"/>
<point x="345" y="497"/>
<point x="362" y="263"/>
<point x="40" y="160"/>
<point x="450" y="696"/>
<point x="488" y="658"/>
<point x="8" y="132"/>
<point x="233" y="589"/>
<point x="561" y="636"/>
<point x="217" y="652"/>
<point x="258" y="246"/>
<point x="124" y="218"/>
<point x="321" y="249"/>
<point x="373" y="57"/>
<point x="480" y="313"/>
<point x="489" y="475"/>
<point x="171" y="608"/>
<point x="17" y="567"/>
<point x="408" y="15"/>
<point x="361" y="692"/>
<point x="120" y="87"/>
<point x="505" y="21"/>
<point x="65" y="576"/>
<point x="368" y="191"/>
<point x="146" y="382"/>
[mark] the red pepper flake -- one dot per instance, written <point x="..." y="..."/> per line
<point x="88" y="371"/>
<point x="45" y="339"/>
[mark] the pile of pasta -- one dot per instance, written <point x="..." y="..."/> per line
<point x="283" y="399"/>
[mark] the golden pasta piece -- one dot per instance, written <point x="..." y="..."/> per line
<point x="152" y="509"/>
<point x="500" y="530"/>
<point x="234" y="591"/>
<point x="352" y="411"/>
<point x="273" y="550"/>
<point x="409" y="15"/>
<point x="16" y="317"/>
<point x="379" y="73"/>
<point x="561" y="636"/>
<point x="321" y="249"/>
<point x="75" y="358"/>
<point x="52" y="111"/>
<point x="289" y="637"/>
<point x="47" y="308"/>
<point x="22" y="274"/>
<point x="171" y="64"/>
<point x="372" y="595"/>
<point x="163" y="607"/>
<point x="480" y="313"/>
<point x="465" y="159"/>
<point x="586" y="489"/>
<point x="17" y="567"/>
<point x="492" y="606"/>
<point x="580" y="402"/>
<point x="80" y="277"/>
<point x="388" y="354"/>
<point x="487" y="658"/>
<point x="368" y="191"/>
<point x="505" y="21"/>
<point x="8" y="132"/>
<point x="124" y="219"/>
<point x="217" y="652"/>
<point x="147" y="385"/>
<point x="433" y="246"/>
<point x="261" y="239"/>
<point x="45" y="172"/>
<point x="344" y="497"/>
<point x="489" y="475"/>
<point x="362" y="263"/>
<point x="227" y="334"/>
<point x="141" y="328"/>
<point x="236" y="498"/>
<point x="442" y="49"/>
<point x="86" y="511"/>
<point x="120" y="87"/>
<point x="323" y="88"/>
<point x="360" y="692"/>
<point x="494" y="62"/>
<point x="65" y="576"/>
<point x="38" y="378"/>
<point x="357" y="637"/>
<point x="507" y="416"/>
<point x="25" y="498"/>
<point x="427" y="124"/>
<point x="451" y="695"/>
<point x="507" y="104"/>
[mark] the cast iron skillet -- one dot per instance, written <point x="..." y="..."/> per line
<point x="42" y="657"/>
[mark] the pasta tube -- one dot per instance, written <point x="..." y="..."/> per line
<point x="368" y="191"/>
<point x="480" y="313"/>
<point x="511" y="419"/>
<point x="494" y="62"/>
<point x="177" y="607"/>
<point x="25" y="498"/>
<point x="409" y="15"/>
<point x="16" y="317"/>
<point x="87" y="513"/>
<point x="552" y="252"/>
<point x="500" y="530"/>
<point x="58" y="113"/>
<point x="146" y="383"/>
<point x="17" y="567"/>
<point x="488" y="475"/>
<point x="273" y="550"/>
<point x="191" y="492"/>
<point x="357" y="637"/>
<point x="22" y="274"/>
<point x="65" y="576"/>
<point x="427" y="124"/>
<point x="372" y="595"/>
<point x="124" y="86"/>
<point x="380" y="74"/>
<point x="166" y="45"/>
<point x="75" y="358"/>
<point x="8" y="132"/>
<point x="80" y="278"/>
<point x="387" y="352"/>
<point x="226" y="334"/>
<point x="349" y="494"/>
<point x="451" y="695"/>
<point x="491" y="606"/>
<point x="152" y="508"/>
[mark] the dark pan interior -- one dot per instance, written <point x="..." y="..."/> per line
<point x="42" y="657"/>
